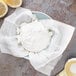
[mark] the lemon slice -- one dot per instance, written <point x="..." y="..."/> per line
<point x="3" y="8"/>
<point x="13" y="3"/>
<point x="70" y="67"/>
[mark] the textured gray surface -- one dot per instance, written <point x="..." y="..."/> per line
<point x="62" y="10"/>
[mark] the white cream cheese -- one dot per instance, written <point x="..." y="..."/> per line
<point x="34" y="36"/>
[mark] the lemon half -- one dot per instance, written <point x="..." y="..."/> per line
<point x="14" y="3"/>
<point x="3" y="9"/>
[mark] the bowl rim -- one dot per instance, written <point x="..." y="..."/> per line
<point x="42" y="13"/>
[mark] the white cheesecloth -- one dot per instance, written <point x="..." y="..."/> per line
<point x="45" y="60"/>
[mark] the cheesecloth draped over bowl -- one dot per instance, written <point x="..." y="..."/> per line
<point x="45" y="60"/>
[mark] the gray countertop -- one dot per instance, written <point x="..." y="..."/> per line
<point x="61" y="10"/>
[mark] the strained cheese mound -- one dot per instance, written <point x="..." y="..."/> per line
<point x="34" y="36"/>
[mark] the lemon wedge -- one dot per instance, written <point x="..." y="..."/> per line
<point x="14" y="3"/>
<point x="3" y="8"/>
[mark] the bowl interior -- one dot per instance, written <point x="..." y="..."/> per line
<point x="41" y="15"/>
